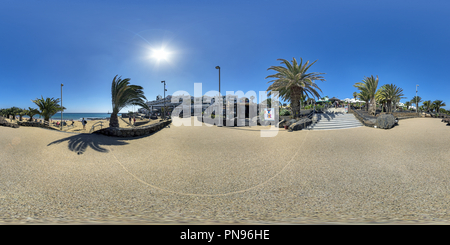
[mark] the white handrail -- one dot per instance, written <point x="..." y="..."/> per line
<point x="96" y="124"/>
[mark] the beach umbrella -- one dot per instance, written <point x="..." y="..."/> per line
<point x="334" y="99"/>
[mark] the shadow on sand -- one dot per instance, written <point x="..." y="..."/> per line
<point x="80" y="142"/>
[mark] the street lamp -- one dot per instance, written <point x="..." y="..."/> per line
<point x="417" y="105"/>
<point x="164" y="99"/>
<point x="61" y="107"/>
<point x="218" y="67"/>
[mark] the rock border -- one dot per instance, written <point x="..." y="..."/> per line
<point x="133" y="132"/>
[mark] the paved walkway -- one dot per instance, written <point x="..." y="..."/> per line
<point x="227" y="175"/>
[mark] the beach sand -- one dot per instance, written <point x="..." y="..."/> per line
<point x="78" y="126"/>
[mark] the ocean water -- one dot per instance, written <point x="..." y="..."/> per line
<point x="78" y="116"/>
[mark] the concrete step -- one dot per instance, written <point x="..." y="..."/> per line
<point x="336" y="125"/>
<point x="334" y="128"/>
<point x="330" y="124"/>
<point x="330" y="121"/>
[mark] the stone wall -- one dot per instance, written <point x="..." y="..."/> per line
<point x="369" y="122"/>
<point x="34" y="124"/>
<point x="300" y="124"/>
<point x="5" y="123"/>
<point x="133" y="132"/>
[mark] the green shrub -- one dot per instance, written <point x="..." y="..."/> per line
<point x="284" y="112"/>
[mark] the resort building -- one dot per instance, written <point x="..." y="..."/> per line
<point x="196" y="102"/>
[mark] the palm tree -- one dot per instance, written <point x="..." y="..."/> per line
<point x="47" y="107"/>
<point x="22" y="113"/>
<point x="6" y="112"/>
<point x="380" y="99"/>
<point x="268" y="102"/>
<point x="14" y="111"/>
<point x="367" y="90"/>
<point x="293" y="81"/>
<point x="416" y="100"/>
<point x="438" y="104"/>
<point x="407" y="104"/>
<point x="31" y="112"/>
<point x="389" y="93"/>
<point x="427" y="105"/>
<point x="123" y="94"/>
<point x="364" y="96"/>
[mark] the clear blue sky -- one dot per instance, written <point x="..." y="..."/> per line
<point x="84" y="44"/>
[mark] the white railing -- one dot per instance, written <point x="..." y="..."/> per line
<point x="100" y="123"/>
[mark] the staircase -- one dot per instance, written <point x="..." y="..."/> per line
<point x="335" y="120"/>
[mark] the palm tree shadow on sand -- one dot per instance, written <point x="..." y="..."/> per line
<point x="80" y="142"/>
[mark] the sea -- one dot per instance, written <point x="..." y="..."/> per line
<point x="78" y="116"/>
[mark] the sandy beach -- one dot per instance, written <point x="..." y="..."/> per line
<point x="223" y="175"/>
<point x="78" y="127"/>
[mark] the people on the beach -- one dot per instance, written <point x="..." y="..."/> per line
<point x="129" y="118"/>
<point x="84" y="123"/>
<point x="134" y="120"/>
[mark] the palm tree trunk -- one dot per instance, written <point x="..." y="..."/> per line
<point x="295" y="108"/>
<point x="114" y="120"/>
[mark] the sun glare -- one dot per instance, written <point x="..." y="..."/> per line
<point x="160" y="54"/>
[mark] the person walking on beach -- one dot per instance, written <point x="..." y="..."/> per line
<point x="134" y="120"/>
<point x="84" y="123"/>
<point x="129" y="119"/>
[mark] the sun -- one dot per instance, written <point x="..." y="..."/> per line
<point x="160" y="54"/>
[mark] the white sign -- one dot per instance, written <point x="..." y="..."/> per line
<point x="269" y="114"/>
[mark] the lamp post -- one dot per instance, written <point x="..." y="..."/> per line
<point x="61" y="107"/>
<point x="218" y="67"/>
<point x="164" y="99"/>
<point x="417" y="105"/>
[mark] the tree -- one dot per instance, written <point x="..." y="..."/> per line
<point x="389" y="94"/>
<point x="438" y="104"/>
<point x="47" y="107"/>
<point x="123" y="94"/>
<point x="7" y="112"/>
<point x="14" y="111"/>
<point x="292" y="81"/>
<point x="364" y="96"/>
<point x="407" y="104"/>
<point x="31" y="112"/>
<point x="22" y="113"/>
<point x="427" y="105"/>
<point x="416" y="100"/>
<point x="268" y="102"/>
<point x="367" y="90"/>
<point x="380" y="99"/>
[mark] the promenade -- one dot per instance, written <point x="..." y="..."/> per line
<point x="222" y="175"/>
